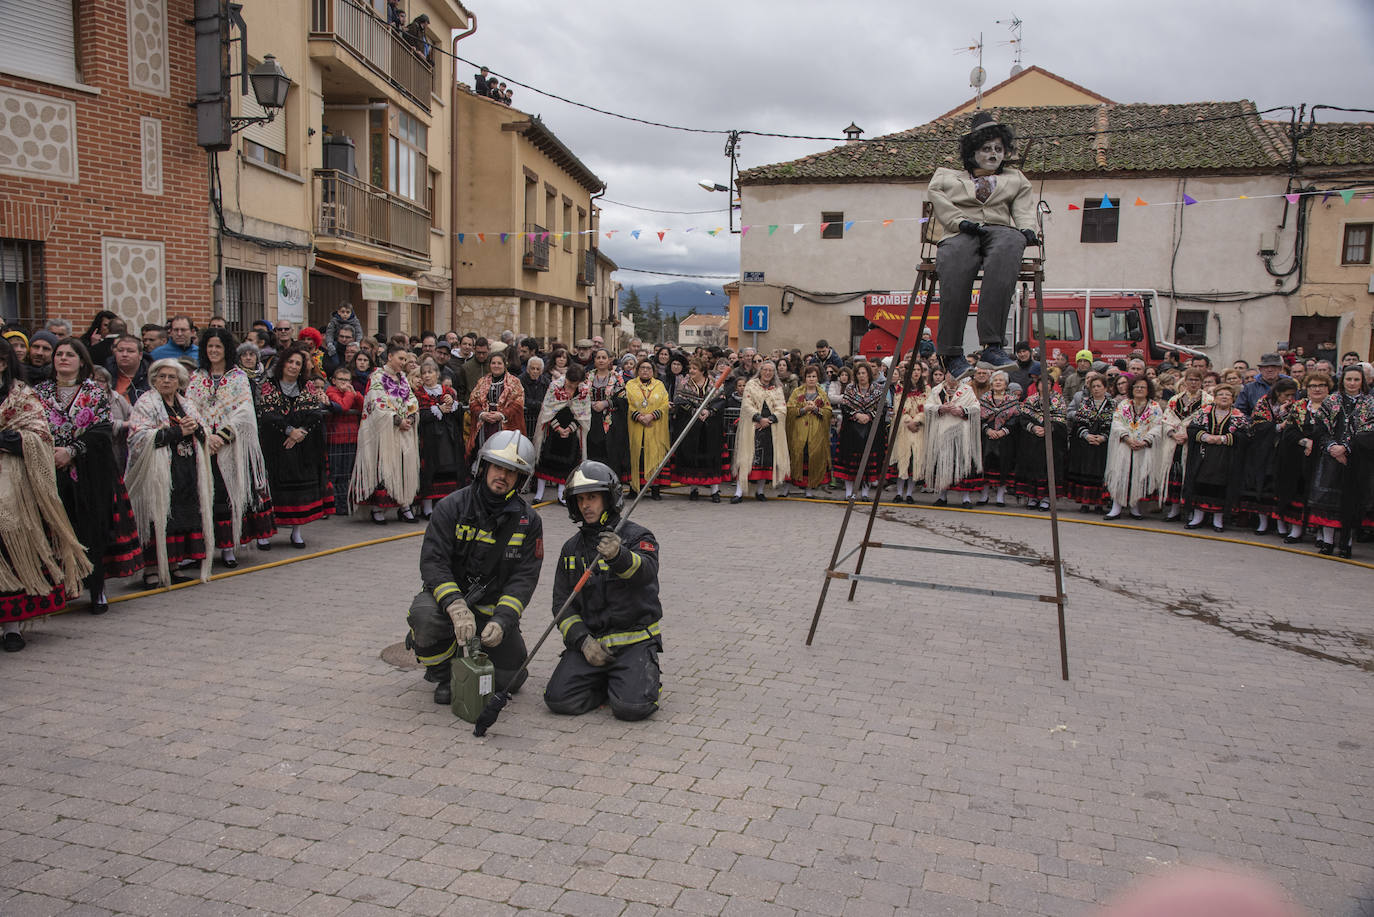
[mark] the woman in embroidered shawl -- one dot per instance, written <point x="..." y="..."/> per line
<point x="862" y="409"/>
<point x="648" y="403"/>
<point x="608" y="439"/>
<point x="1090" y="428"/>
<point x="88" y="480"/>
<point x="1001" y="419"/>
<point x="701" y="460"/>
<point x="1133" y="465"/>
<point x="41" y="560"/>
<point x="386" y="472"/>
<point x="171" y="484"/>
<point x="1257" y="487"/>
<point x="560" y="433"/>
<point x="1041" y="414"/>
<point x="808" y="432"/>
<point x="497" y="403"/>
<point x="1175" y="444"/>
<point x="221" y="394"/>
<point x="442" y="466"/>
<point x="761" y="437"/>
<point x="909" y="431"/>
<point x="291" y="410"/>
<point x="953" y="443"/>
<point x="1351" y="445"/>
<point x="1217" y="437"/>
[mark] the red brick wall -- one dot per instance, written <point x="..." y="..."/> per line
<point x="108" y="200"/>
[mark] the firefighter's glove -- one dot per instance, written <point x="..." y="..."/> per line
<point x="594" y="652"/>
<point x="464" y="624"/>
<point x="492" y="634"/>
<point x="608" y="546"/>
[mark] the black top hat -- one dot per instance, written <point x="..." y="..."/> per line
<point x="980" y="121"/>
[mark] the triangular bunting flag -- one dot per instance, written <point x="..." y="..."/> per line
<point x="823" y="226"/>
<point x="1188" y="199"/>
<point x="1075" y="207"/>
<point x="1141" y="202"/>
<point x="712" y="232"/>
<point x="1326" y="197"/>
<point x="481" y="237"/>
<point x="797" y="227"/>
<point x="772" y="228"/>
<point x="887" y="222"/>
<point x="611" y="233"/>
<point x="1291" y="198"/>
<point x="848" y="225"/>
<point x="661" y="233"/>
<point x="635" y="233"/>
<point x="1244" y="197"/>
<point x="505" y="236"/>
<point x="927" y="219"/>
<point x="460" y="238"/>
<point x="567" y="234"/>
<point x="1347" y="195"/>
<point x="743" y="231"/>
<point x="543" y="237"/>
<point x="1106" y="203"/>
<point x="720" y="229"/>
<point x="689" y="229"/>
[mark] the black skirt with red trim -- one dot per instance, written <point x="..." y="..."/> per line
<point x="181" y="546"/>
<point x="21" y="606"/>
<point x="257" y="524"/>
<point x="442" y="485"/>
<point x="123" y="553"/>
<point x="380" y="499"/>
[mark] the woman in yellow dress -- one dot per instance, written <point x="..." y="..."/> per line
<point x="648" y="405"/>
<point x="808" y="432"/>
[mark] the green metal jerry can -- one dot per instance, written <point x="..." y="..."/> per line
<point x="473" y="681"/>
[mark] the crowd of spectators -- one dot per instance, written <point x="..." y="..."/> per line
<point x="488" y="86"/>
<point x="173" y="443"/>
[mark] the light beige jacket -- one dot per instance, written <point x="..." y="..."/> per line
<point x="952" y="193"/>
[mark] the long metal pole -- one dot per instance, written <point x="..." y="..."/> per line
<point x="868" y="446"/>
<point x="1050" y="477"/>
<point x="901" y="406"/>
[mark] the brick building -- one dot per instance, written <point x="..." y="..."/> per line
<point x="103" y="191"/>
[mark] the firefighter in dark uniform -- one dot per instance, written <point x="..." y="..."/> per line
<point x="611" y="630"/>
<point x="479" y="564"/>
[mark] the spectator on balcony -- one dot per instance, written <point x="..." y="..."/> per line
<point x="506" y="99"/>
<point x="417" y="35"/>
<point x="481" y="83"/>
<point x="395" y="16"/>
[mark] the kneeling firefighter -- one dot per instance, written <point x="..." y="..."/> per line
<point x="479" y="564"/>
<point x="611" y="629"/>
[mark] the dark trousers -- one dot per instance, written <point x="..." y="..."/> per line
<point x="630" y="681"/>
<point x="432" y="639"/>
<point x="997" y="253"/>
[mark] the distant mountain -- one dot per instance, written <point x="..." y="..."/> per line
<point x="681" y="297"/>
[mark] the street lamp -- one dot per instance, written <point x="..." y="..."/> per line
<point x="711" y="185"/>
<point x="270" y="85"/>
<point x="732" y="154"/>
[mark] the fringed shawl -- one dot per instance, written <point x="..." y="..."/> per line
<point x="223" y="404"/>
<point x="755" y="397"/>
<point x="954" y="448"/>
<point x="511" y="406"/>
<point x="150" y="479"/>
<point x="1175" y="420"/>
<point x="555" y="399"/>
<point x="387" y="455"/>
<point x="599" y="390"/>
<point x="909" y="446"/>
<point x="40" y="548"/>
<point x="1134" y="474"/>
<point x="1033" y="412"/>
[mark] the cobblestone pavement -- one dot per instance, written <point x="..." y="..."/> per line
<point x="242" y="747"/>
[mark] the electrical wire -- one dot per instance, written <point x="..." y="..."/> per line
<point x="606" y="200"/>
<point x="636" y="270"/>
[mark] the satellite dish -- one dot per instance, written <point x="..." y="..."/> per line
<point x="977" y="77"/>
<point x="1016" y="68"/>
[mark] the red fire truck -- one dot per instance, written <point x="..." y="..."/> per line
<point x="1110" y="323"/>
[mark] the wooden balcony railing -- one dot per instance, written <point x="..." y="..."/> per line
<point x="349" y="208"/>
<point x="536" y="249"/>
<point x="382" y="49"/>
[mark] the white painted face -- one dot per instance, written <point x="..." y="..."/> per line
<point x="990" y="155"/>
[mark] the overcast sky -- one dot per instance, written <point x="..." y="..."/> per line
<point x="808" y="67"/>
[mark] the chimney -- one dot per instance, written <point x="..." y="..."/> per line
<point x="852" y="133"/>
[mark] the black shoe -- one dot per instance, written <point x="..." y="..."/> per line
<point x="957" y="367"/>
<point x="1001" y="503"/>
<point x="298" y="545"/>
<point x="405" y="515"/>
<point x="942" y="502"/>
<point x="1084" y="508"/>
<point x="911" y="500"/>
<point x="715" y="498"/>
<point x="443" y="692"/>
<point x="1112" y="516"/>
<point x="996" y="356"/>
<point x="1136" y="516"/>
<point x="1344" y="551"/>
<point x="1218" y="529"/>
<point x="1292" y="538"/>
<point x="12" y="642"/>
<point x="655" y="493"/>
<point x="378" y="517"/>
<point x="694" y="496"/>
<point x="231" y="563"/>
<point x="760" y="496"/>
<point x="737" y="498"/>
<point x="98" y="608"/>
<point x="1326" y="550"/>
<point x="1193" y="525"/>
<point x="152" y="581"/>
<point x="264" y="544"/>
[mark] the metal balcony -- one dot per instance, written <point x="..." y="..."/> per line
<point x="587" y="275"/>
<point x="376" y="45"/>
<point x="536" y="248"/>
<point x="349" y="208"/>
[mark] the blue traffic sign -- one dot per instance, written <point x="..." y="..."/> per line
<point x="755" y="319"/>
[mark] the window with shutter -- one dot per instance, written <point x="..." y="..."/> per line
<point x="38" y="39"/>
<point x="263" y="142"/>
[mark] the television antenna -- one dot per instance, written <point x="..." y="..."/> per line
<point x="1014" y="26"/>
<point x="977" y="76"/>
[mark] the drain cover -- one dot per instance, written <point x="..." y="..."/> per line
<point x="396" y="654"/>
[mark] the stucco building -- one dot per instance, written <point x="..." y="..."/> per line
<point x="103" y="195"/>
<point x="1221" y="265"/>
<point x="527" y="255"/>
